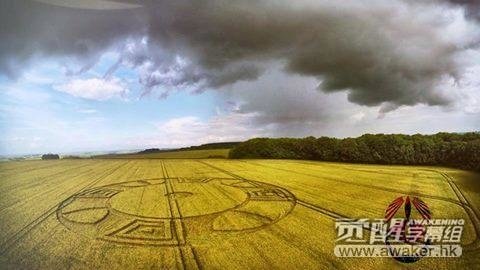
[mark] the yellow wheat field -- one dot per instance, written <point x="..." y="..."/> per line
<point x="213" y="213"/>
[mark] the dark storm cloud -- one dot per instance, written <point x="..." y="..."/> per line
<point x="472" y="7"/>
<point x="392" y="52"/>
<point x="29" y="29"/>
<point x="278" y="98"/>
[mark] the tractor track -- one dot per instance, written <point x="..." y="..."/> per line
<point x="9" y="243"/>
<point x="462" y="200"/>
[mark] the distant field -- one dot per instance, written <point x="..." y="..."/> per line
<point x="212" y="213"/>
<point x="188" y="154"/>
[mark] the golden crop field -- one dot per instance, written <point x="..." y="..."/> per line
<point x="213" y="213"/>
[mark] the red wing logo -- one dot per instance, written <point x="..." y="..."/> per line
<point x="393" y="208"/>
<point x="422" y="208"/>
<point x="419" y="205"/>
<point x="401" y="230"/>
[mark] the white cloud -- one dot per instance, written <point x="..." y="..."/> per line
<point x="87" y="111"/>
<point x="191" y="130"/>
<point x="94" y="88"/>
<point x="469" y="90"/>
<point x="37" y="79"/>
<point x="358" y="116"/>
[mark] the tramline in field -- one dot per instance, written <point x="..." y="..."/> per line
<point x="192" y="214"/>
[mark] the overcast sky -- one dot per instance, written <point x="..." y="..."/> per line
<point x="124" y="74"/>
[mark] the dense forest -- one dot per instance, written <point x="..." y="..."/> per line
<point x="446" y="149"/>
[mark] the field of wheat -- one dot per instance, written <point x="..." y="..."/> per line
<point x="213" y="213"/>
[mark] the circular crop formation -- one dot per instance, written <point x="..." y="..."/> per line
<point x="167" y="211"/>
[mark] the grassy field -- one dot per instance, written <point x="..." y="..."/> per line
<point x="213" y="213"/>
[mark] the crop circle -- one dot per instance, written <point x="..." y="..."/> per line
<point x="161" y="211"/>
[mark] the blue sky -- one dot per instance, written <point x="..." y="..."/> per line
<point x="114" y="76"/>
<point x="49" y="109"/>
<point x="36" y="118"/>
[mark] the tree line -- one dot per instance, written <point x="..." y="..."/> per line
<point x="50" y="156"/>
<point x="460" y="150"/>
<point x="207" y="146"/>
